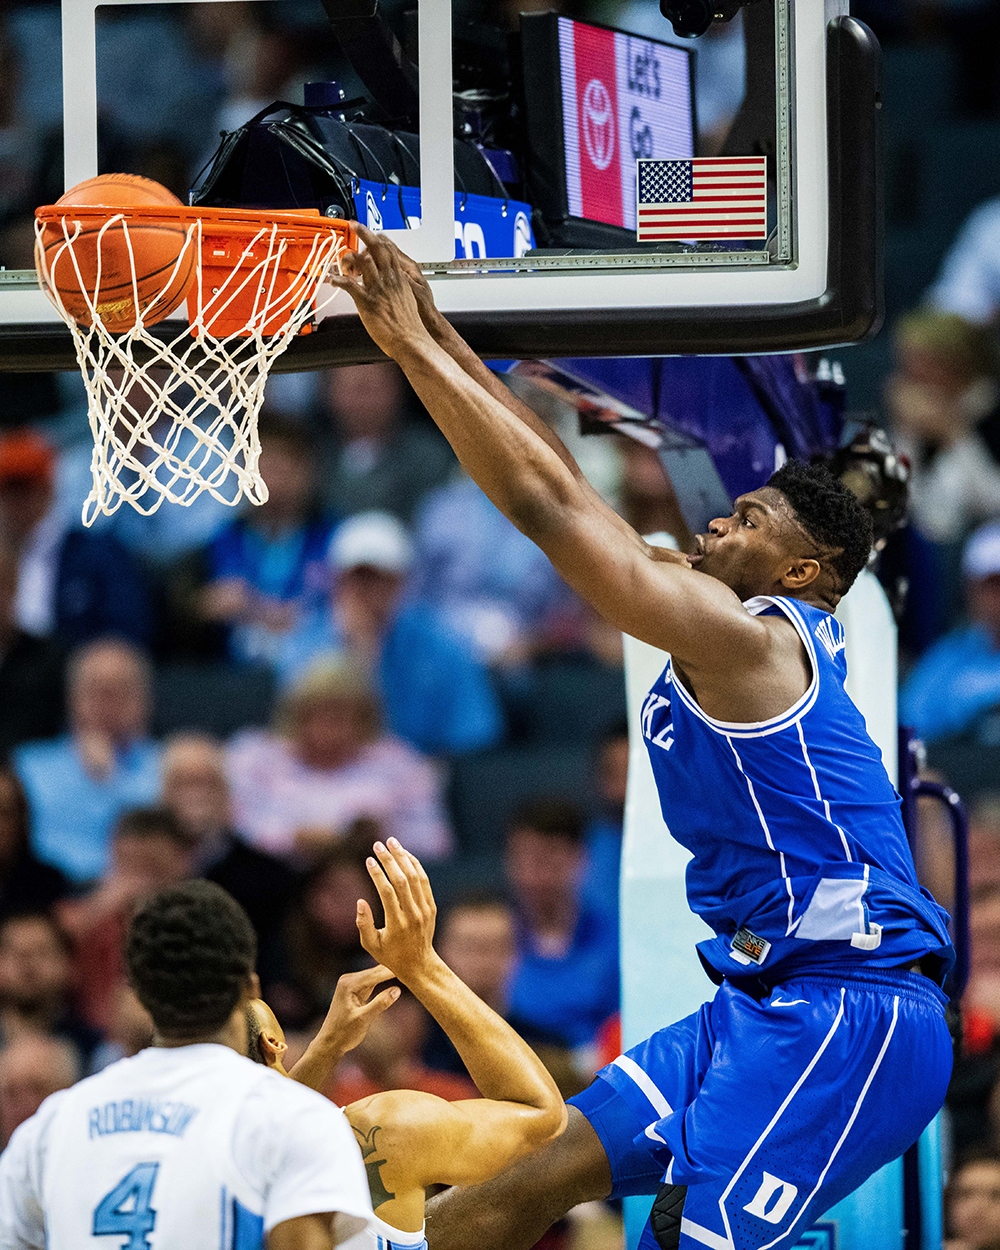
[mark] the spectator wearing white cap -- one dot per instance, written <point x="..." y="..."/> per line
<point x="436" y="694"/>
<point x="969" y="279"/>
<point x="957" y="681"/>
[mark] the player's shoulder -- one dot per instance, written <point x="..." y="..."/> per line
<point x="277" y="1099"/>
<point x="791" y="620"/>
<point x="281" y="1122"/>
<point x="402" y="1114"/>
<point x="89" y="1088"/>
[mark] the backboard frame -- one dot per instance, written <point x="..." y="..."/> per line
<point x="821" y="286"/>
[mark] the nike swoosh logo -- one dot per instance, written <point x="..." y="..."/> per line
<point x="786" y="1002"/>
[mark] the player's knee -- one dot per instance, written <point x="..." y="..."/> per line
<point x="665" y="1217"/>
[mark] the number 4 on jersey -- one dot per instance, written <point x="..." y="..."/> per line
<point x="126" y="1210"/>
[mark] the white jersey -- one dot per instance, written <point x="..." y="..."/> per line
<point x="186" y="1148"/>
<point x="382" y="1236"/>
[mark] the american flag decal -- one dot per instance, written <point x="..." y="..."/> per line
<point x="708" y="197"/>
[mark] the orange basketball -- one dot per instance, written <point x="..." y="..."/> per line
<point x="155" y="247"/>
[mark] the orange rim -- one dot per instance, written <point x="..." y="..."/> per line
<point x="237" y="222"/>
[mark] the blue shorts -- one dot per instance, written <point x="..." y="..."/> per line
<point x="771" y="1111"/>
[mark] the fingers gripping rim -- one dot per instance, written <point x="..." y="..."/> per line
<point x="174" y="418"/>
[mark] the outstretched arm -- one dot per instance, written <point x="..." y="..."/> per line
<point x="425" y="1139"/>
<point x="526" y="471"/>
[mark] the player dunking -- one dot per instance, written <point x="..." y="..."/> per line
<point x="825" y="1051"/>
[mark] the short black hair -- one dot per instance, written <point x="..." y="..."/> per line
<point x="22" y="816"/>
<point x="150" y="822"/>
<point x="554" y="817"/>
<point x="474" y="900"/>
<point x="295" y="436"/>
<point x="254" y="1034"/>
<point x="830" y="514"/>
<point x="190" y="953"/>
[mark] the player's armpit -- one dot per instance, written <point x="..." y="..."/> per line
<point x="305" y="1232"/>
<point x="481" y="1137"/>
<point x="314" y="1232"/>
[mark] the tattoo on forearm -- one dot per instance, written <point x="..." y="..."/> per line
<point x="369" y="1151"/>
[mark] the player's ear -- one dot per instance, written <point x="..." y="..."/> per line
<point x="271" y="1050"/>
<point x="801" y="573"/>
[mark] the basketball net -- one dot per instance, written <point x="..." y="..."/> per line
<point x="174" y="418"/>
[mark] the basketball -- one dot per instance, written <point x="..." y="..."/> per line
<point x="155" y="248"/>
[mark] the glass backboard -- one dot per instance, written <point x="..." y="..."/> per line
<point x="513" y="155"/>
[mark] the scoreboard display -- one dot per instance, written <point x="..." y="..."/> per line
<point x="596" y="101"/>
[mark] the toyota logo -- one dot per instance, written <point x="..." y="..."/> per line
<point x="598" y="123"/>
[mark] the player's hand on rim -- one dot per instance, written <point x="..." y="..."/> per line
<point x="383" y="292"/>
<point x="405" y="944"/>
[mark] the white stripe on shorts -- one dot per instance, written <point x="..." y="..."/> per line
<point x="704" y="1235"/>
<point x="851" y="1119"/>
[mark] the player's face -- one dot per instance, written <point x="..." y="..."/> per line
<point x="750" y="549"/>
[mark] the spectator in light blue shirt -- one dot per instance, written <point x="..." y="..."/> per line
<point x="79" y="784"/>
<point x="435" y="693"/>
<point x="492" y="585"/>
<point x="957" y="681"/>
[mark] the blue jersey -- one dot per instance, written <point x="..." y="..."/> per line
<point x="800" y="856"/>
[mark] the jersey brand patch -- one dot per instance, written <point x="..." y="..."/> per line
<point x="749" y="948"/>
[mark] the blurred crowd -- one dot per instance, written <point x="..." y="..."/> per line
<point x="255" y="696"/>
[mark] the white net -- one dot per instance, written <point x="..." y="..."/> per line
<point x="172" y="419"/>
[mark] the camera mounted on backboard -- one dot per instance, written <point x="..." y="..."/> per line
<point x="691" y="18"/>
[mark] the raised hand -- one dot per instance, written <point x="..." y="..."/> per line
<point x="355" y="1005"/>
<point x="383" y="292"/>
<point x="405" y="944"/>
